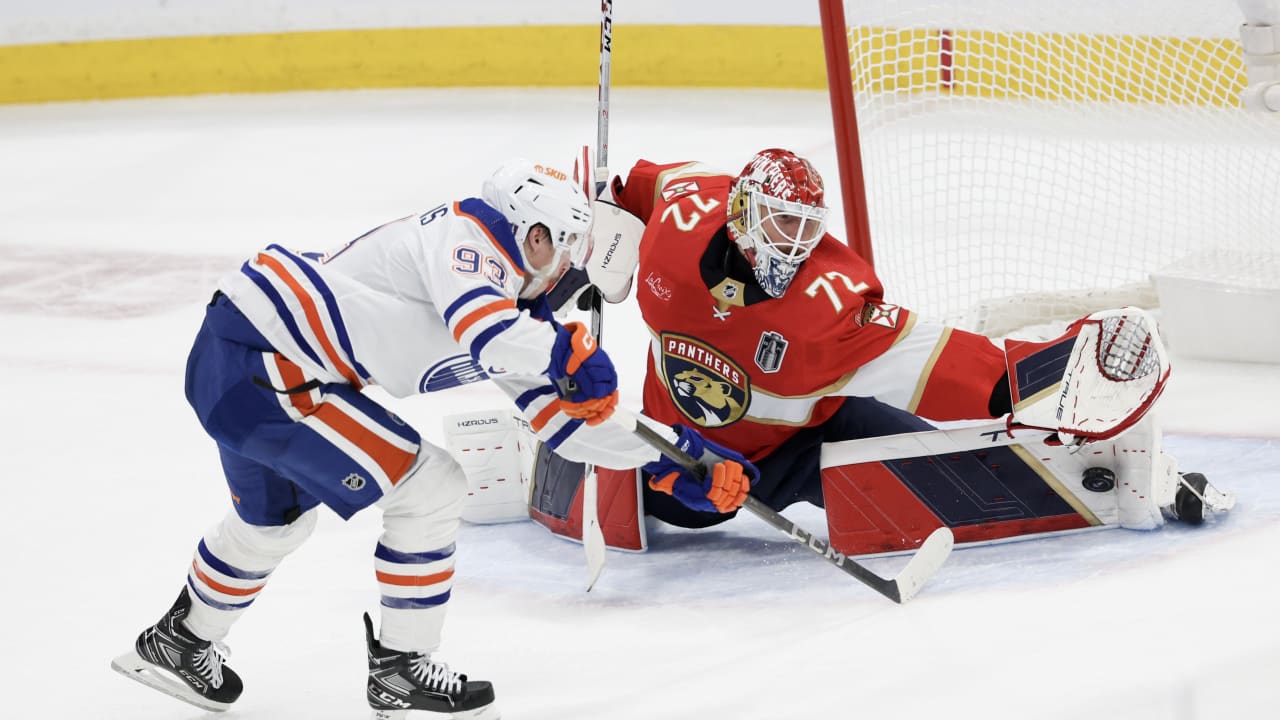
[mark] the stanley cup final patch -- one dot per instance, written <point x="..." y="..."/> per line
<point x="770" y="351"/>
<point x="707" y="387"/>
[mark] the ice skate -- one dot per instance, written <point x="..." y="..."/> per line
<point x="411" y="686"/>
<point x="169" y="658"/>
<point x="1195" y="494"/>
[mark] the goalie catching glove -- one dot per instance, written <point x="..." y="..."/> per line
<point x="1094" y="382"/>
<point x="583" y="374"/>
<point x="722" y="488"/>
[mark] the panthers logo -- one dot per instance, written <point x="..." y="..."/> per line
<point x="707" y="387"/>
<point x="713" y="397"/>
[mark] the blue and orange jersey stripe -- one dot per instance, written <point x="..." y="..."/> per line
<point x="282" y="311"/>
<point x="392" y="460"/>
<point x="311" y="303"/>
<point x="479" y="314"/>
<point x="499" y="303"/>
<point x="335" y="317"/>
<point x="414" y="580"/>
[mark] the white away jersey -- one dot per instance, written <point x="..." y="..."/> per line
<point x="421" y="304"/>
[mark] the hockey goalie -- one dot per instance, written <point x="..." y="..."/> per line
<point x="771" y="337"/>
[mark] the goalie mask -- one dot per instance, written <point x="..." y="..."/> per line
<point x="777" y="216"/>
<point x="529" y="195"/>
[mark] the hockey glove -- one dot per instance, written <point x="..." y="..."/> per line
<point x="583" y="375"/>
<point x="724" y="486"/>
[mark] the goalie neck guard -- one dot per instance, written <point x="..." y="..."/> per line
<point x="528" y="195"/>
<point x="777" y="216"/>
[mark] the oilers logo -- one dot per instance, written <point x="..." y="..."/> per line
<point x="451" y="372"/>
<point x="708" y="388"/>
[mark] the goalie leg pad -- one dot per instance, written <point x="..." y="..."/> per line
<point x="555" y="501"/>
<point x="984" y="496"/>
<point x="487" y="446"/>
<point x="1146" y="477"/>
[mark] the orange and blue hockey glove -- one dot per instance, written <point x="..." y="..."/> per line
<point x="721" y="489"/>
<point x="583" y="375"/>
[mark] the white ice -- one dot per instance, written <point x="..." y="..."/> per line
<point x="116" y="218"/>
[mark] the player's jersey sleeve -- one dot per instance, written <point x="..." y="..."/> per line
<point x="645" y="185"/>
<point x="606" y="444"/>
<point x="474" y="279"/>
<point x="931" y="370"/>
<point x="876" y="349"/>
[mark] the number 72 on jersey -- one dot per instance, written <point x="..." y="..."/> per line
<point x="826" y="283"/>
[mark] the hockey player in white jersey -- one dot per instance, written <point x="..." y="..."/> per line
<point x="424" y="303"/>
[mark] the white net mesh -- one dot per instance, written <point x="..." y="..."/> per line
<point x="1031" y="161"/>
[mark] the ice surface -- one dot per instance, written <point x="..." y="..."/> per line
<point x="117" y="218"/>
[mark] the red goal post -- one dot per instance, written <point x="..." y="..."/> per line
<point x="1007" y="163"/>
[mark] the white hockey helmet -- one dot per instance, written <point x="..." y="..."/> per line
<point x="777" y="216"/>
<point x="528" y="194"/>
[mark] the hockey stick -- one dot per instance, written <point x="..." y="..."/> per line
<point x="592" y="534"/>
<point x="927" y="443"/>
<point x="900" y="588"/>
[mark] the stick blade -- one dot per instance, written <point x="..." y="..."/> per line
<point x="593" y="542"/>
<point x="592" y="534"/>
<point x="925" y="563"/>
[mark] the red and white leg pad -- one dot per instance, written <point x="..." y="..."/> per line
<point x="988" y="484"/>
<point x="557" y="495"/>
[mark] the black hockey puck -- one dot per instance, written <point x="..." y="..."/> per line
<point x="1186" y="505"/>
<point x="1098" y="479"/>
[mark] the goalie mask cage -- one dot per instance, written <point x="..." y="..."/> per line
<point x="1009" y="163"/>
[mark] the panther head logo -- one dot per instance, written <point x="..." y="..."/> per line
<point x="710" y="393"/>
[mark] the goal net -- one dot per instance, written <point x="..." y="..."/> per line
<point x="1027" y="161"/>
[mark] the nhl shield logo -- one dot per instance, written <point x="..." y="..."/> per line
<point x="770" y="351"/>
<point x="704" y="384"/>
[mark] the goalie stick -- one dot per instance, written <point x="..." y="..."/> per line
<point x="900" y="588"/>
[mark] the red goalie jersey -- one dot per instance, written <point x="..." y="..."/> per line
<point x="749" y="370"/>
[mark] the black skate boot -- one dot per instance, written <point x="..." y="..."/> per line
<point x="405" y="686"/>
<point x="1187" y="505"/>
<point x="169" y="658"/>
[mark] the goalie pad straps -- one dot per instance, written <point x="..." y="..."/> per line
<point x="1092" y="383"/>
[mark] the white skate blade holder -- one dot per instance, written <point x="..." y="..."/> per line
<point x="132" y="666"/>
